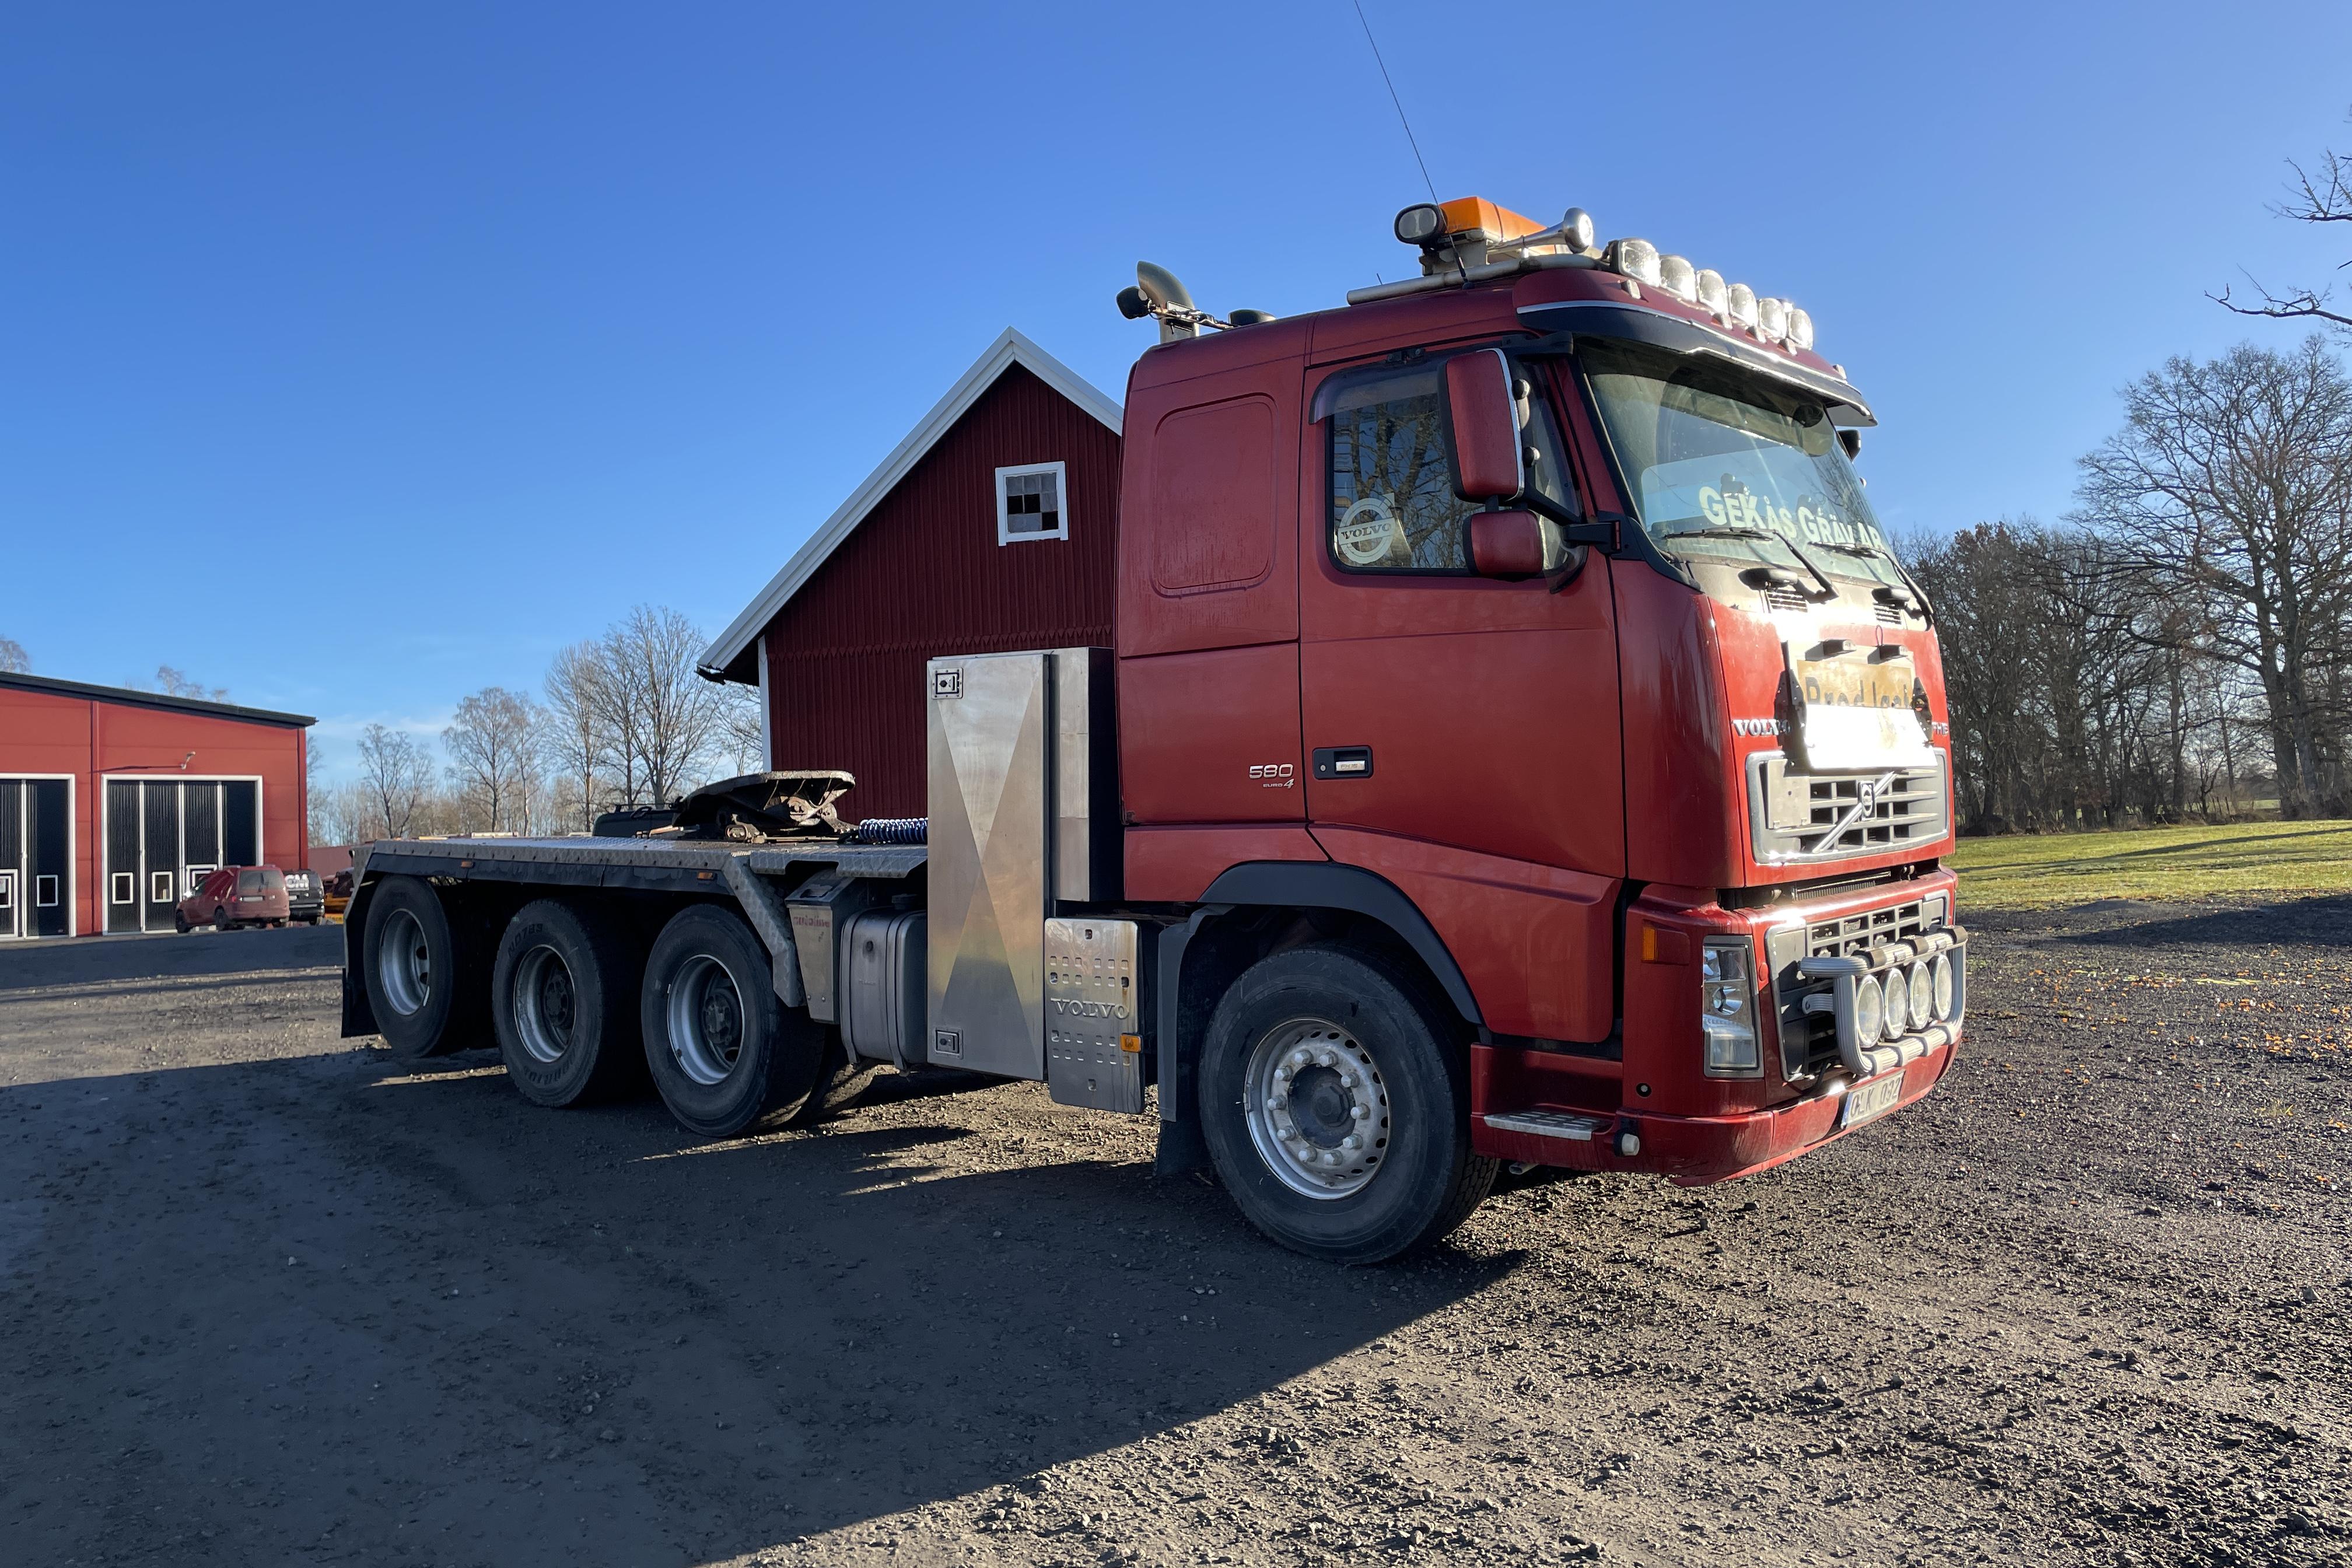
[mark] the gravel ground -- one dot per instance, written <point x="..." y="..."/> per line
<point x="271" y="1298"/>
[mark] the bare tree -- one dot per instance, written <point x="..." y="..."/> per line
<point x="2320" y="195"/>
<point x="743" y="729"/>
<point x="173" y="682"/>
<point x="14" y="660"/>
<point x="493" y="749"/>
<point x="663" y="716"/>
<point x="2229" y="493"/>
<point x="397" y="777"/>
<point x="314" y="791"/>
<point x="579" y="745"/>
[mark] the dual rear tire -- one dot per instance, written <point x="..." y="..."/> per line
<point x="564" y="1002"/>
<point x="727" y="1056"/>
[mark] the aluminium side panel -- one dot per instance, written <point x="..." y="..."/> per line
<point x="1087" y="860"/>
<point x="989" y="740"/>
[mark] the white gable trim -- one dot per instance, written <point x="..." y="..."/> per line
<point x="1009" y="350"/>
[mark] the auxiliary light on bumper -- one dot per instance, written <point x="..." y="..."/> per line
<point x="1896" y="1003"/>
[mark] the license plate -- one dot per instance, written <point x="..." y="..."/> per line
<point x="1875" y="1097"/>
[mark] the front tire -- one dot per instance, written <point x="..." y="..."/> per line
<point x="1336" y="1105"/>
<point x="727" y="1056"/>
<point x="564" y="1001"/>
<point x="419" y="979"/>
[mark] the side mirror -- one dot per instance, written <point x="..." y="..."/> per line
<point x="1479" y="409"/>
<point x="1516" y="544"/>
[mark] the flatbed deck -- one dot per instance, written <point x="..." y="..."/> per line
<point x="665" y="864"/>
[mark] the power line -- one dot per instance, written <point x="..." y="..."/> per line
<point x="1409" y="136"/>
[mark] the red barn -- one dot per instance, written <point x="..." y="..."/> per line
<point x="993" y="527"/>
<point x="113" y="802"/>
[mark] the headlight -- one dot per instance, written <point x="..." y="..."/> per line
<point x="1677" y="276"/>
<point x="1772" y="318"/>
<point x="1869" y="1010"/>
<point x="1728" y="1008"/>
<point x="1636" y="259"/>
<point x="1711" y="294"/>
<point x="1740" y="306"/>
<point x="1898" y="1006"/>
<point x="1801" y="329"/>
<point x="1922" y="987"/>
<point x="1939" y="982"/>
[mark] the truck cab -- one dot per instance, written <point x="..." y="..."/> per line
<point x="1542" y="590"/>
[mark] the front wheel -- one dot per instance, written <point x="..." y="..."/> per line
<point x="727" y="1056"/>
<point x="1336" y="1104"/>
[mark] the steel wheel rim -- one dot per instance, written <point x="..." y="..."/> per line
<point x="706" y="1020"/>
<point x="405" y="964"/>
<point x="1317" y="1108"/>
<point x="546" y="1003"/>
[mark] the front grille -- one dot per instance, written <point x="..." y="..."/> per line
<point x="1888" y="615"/>
<point x="1809" y="1040"/>
<point x="1782" y="599"/>
<point x="1827" y="816"/>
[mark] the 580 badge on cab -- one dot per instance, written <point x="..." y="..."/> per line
<point x="1275" y="775"/>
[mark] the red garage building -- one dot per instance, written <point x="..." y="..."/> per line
<point x="992" y="527"/>
<point x="114" y="801"/>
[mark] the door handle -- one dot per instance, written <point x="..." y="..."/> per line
<point x="1343" y="761"/>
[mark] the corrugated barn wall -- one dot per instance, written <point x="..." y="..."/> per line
<point x="923" y="576"/>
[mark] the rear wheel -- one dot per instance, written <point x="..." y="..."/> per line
<point x="221" y="920"/>
<point x="418" y="976"/>
<point x="1336" y="1105"/>
<point x="564" y="1001"/>
<point x="727" y="1056"/>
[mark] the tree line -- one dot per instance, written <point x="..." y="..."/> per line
<point x="621" y="720"/>
<point x="2181" y="645"/>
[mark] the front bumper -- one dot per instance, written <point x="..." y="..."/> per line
<point x="1694" y="1151"/>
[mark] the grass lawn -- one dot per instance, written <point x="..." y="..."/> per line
<point x="2255" y="859"/>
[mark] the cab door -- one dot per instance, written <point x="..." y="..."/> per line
<point x="1462" y="732"/>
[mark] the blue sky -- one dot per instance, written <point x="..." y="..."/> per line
<point x="434" y="339"/>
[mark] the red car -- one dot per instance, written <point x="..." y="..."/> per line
<point x="235" y="896"/>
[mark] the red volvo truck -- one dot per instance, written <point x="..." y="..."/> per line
<point x="1521" y="745"/>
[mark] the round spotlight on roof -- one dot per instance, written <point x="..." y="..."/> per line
<point x="1636" y="258"/>
<point x="1740" y="306"/>
<point x="1677" y="276"/>
<point x="1711" y="293"/>
<point x="1576" y="230"/>
<point x="1772" y="319"/>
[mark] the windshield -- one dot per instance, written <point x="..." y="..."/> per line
<point x="1724" y="463"/>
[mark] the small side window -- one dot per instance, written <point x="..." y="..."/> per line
<point x="248" y="882"/>
<point x="1030" y="503"/>
<point x="1392" y="504"/>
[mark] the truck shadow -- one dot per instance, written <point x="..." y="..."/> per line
<point x="490" y="1331"/>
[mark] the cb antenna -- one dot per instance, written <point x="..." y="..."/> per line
<point x="1413" y="141"/>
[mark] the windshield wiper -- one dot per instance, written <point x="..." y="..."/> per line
<point x="1735" y="530"/>
<point x="1918" y="599"/>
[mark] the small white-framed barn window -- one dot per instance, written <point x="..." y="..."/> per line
<point x="159" y="890"/>
<point x="45" y="891"/>
<point x="123" y="887"/>
<point x="1032" y="502"/>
